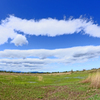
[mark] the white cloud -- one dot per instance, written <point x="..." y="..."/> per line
<point x="67" y="55"/>
<point x="19" y="40"/>
<point x="6" y="33"/>
<point x="11" y="26"/>
<point x="49" y="27"/>
<point x="23" y="64"/>
<point x="37" y="59"/>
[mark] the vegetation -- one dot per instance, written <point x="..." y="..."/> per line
<point x="73" y="85"/>
<point x="94" y="79"/>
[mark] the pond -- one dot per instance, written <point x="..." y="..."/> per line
<point x="79" y="77"/>
<point x="31" y="82"/>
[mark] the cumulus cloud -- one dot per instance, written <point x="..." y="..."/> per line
<point x="19" y="40"/>
<point x="11" y="26"/>
<point x="6" y="33"/>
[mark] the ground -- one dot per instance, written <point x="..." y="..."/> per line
<point x="52" y="86"/>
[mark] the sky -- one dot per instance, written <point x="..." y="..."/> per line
<point x="49" y="35"/>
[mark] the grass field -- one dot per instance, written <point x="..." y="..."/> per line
<point x="55" y="86"/>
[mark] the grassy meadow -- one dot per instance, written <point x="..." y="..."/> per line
<point x="78" y="85"/>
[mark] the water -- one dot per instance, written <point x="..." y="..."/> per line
<point x="76" y="77"/>
<point x="32" y="82"/>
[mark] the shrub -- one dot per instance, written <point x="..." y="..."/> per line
<point x="84" y="69"/>
<point x="72" y="71"/>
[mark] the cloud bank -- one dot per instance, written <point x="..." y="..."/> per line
<point x="38" y="58"/>
<point x="12" y="26"/>
<point x="74" y="52"/>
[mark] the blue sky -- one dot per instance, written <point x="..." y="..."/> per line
<point x="49" y="35"/>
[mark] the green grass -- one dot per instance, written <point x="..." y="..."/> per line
<point x="46" y="87"/>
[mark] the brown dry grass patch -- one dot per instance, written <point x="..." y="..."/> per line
<point x="94" y="79"/>
<point x="40" y="78"/>
<point x="34" y="74"/>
